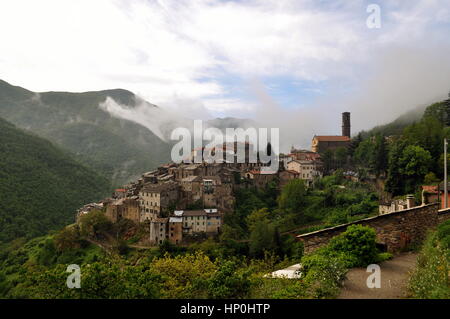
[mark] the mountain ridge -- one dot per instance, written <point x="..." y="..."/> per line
<point x="120" y="149"/>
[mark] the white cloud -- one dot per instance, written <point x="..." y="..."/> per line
<point x="176" y="53"/>
<point x="163" y="49"/>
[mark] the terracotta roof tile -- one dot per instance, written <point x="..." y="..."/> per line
<point x="332" y="138"/>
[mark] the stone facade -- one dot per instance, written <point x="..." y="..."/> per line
<point x="156" y="198"/>
<point x="206" y="221"/>
<point x="158" y="231"/>
<point x="320" y="144"/>
<point x="395" y="230"/>
<point x="124" y="208"/>
<point x="175" y="230"/>
<point x="308" y="170"/>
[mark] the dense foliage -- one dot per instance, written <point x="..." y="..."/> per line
<point x="430" y="279"/>
<point x="38" y="269"/>
<point x="41" y="186"/>
<point x="406" y="155"/>
<point x="332" y="200"/>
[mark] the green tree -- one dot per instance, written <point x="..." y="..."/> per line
<point x="229" y="282"/>
<point x="262" y="238"/>
<point x="430" y="179"/>
<point x="415" y="161"/>
<point x="68" y="238"/>
<point x="256" y="216"/>
<point x="292" y="196"/>
<point x="185" y="276"/>
<point x="395" y="182"/>
<point x="109" y="279"/>
<point x="94" y="224"/>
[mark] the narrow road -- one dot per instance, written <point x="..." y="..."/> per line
<point x="394" y="279"/>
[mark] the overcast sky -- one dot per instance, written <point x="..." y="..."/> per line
<point x="260" y="59"/>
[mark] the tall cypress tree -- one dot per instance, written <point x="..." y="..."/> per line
<point x="447" y="111"/>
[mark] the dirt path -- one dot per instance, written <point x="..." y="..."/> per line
<point x="394" y="278"/>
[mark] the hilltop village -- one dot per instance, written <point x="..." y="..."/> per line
<point x="176" y="202"/>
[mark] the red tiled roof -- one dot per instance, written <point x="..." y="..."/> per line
<point x="332" y="138"/>
<point x="432" y="189"/>
<point x="121" y="190"/>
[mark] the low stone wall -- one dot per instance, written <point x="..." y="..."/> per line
<point x="394" y="230"/>
<point x="443" y="215"/>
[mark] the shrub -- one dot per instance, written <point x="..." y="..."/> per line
<point x="357" y="244"/>
<point x="227" y="282"/>
<point x="443" y="234"/>
<point x="68" y="238"/>
<point x="94" y="224"/>
<point x="430" y="279"/>
<point x="323" y="274"/>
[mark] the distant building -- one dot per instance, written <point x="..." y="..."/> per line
<point x="286" y="176"/>
<point x="308" y="170"/>
<point x="430" y="194"/>
<point x="396" y="205"/>
<point x="351" y="175"/>
<point x="119" y="193"/>
<point x="127" y="208"/>
<point x="158" y="230"/>
<point x="88" y="208"/>
<point x="260" y="178"/>
<point x="206" y="221"/>
<point x="442" y="195"/>
<point x="322" y="143"/>
<point x="175" y="230"/>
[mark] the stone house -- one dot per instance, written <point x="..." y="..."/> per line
<point x="430" y="194"/>
<point x="284" y="160"/>
<point x="127" y="208"/>
<point x="158" y="230"/>
<point x="119" y="193"/>
<point x="156" y="199"/>
<point x="191" y="190"/>
<point x="396" y="205"/>
<point x="308" y="170"/>
<point x="175" y="230"/>
<point x="206" y="221"/>
<point x="210" y="185"/>
<point x="320" y="144"/>
<point x="303" y="155"/>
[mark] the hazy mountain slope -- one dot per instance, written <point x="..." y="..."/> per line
<point x="396" y="127"/>
<point x="41" y="186"/>
<point x="120" y="149"/>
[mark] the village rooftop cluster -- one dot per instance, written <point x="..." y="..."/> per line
<point x="181" y="202"/>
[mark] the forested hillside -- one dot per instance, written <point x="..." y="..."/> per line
<point x="406" y="156"/>
<point x="119" y="149"/>
<point x="41" y="186"/>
